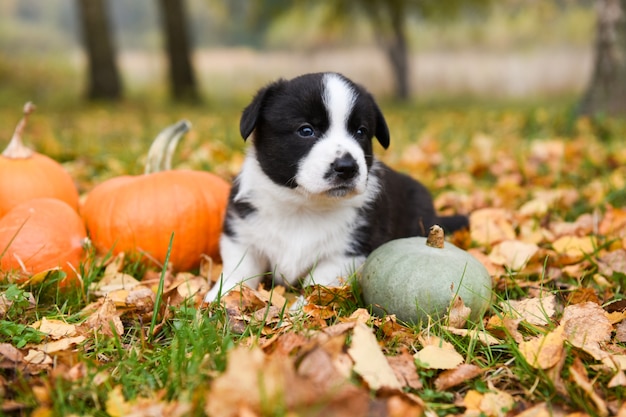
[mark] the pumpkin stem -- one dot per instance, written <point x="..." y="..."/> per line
<point x="162" y="149"/>
<point x="435" y="237"/>
<point x="16" y="148"/>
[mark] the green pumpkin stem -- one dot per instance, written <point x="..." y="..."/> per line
<point x="163" y="147"/>
<point x="435" y="237"/>
<point x="16" y="148"/>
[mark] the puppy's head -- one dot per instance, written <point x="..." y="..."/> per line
<point x="314" y="133"/>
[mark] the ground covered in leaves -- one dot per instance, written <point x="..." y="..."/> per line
<point x="546" y="197"/>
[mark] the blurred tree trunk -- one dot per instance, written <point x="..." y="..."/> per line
<point x="398" y="52"/>
<point x="389" y="17"/>
<point x="606" y="93"/>
<point x="104" y="78"/>
<point x="182" y="79"/>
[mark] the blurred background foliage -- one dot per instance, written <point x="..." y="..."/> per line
<point x="514" y="70"/>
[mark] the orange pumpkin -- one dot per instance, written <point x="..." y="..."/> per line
<point x="41" y="234"/>
<point x="138" y="214"/>
<point x="25" y="174"/>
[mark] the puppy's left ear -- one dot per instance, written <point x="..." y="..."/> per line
<point x="382" y="131"/>
<point x="251" y="113"/>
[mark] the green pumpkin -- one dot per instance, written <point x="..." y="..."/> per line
<point x="415" y="280"/>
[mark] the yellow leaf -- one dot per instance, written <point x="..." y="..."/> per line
<point x="116" y="405"/>
<point x="55" y="328"/>
<point x="513" y="254"/>
<point x="434" y="357"/>
<point x="369" y="361"/>
<point x="61" y="344"/>
<point x="572" y="249"/>
<point x="545" y="351"/>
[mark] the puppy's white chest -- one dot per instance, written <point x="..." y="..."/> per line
<point x="294" y="240"/>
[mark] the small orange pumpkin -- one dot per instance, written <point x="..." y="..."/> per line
<point x="138" y="214"/>
<point x="25" y="174"/>
<point x="41" y="234"/>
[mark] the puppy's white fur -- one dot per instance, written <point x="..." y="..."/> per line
<point x="300" y="233"/>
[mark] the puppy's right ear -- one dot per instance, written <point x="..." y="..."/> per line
<point x="250" y="114"/>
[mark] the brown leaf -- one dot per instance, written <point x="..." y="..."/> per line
<point x="105" y="319"/>
<point x="586" y="326"/>
<point x="403" y="366"/>
<point x="620" y="332"/>
<point x="583" y="295"/>
<point x="453" y="377"/>
<point x="579" y="376"/>
<point x="11" y="354"/>
<point x="537" y="311"/>
<point x="252" y="380"/>
<point x="458" y="313"/>
<point x="613" y="262"/>
<point x="324" y="370"/>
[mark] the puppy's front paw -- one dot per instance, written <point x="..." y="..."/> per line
<point x="214" y="293"/>
<point x="298" y="305"/>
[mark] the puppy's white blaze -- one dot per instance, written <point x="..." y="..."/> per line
<point x="338" y="97"/>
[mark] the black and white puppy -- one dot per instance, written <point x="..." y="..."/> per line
<point x="311" y="201"/>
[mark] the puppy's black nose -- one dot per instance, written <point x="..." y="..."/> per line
<point x="345" y="167"/>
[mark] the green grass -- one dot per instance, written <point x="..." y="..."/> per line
<point x="177" y="352"/>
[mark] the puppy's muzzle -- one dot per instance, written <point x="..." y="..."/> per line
<point x="345" y="167"/>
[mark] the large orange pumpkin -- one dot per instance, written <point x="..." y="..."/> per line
<point x="41" y="234"/>
<point x="25" y="174"/>
<point x="138" y="214"/>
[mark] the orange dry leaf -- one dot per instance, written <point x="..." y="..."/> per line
<point x="452" y="377"/>
<point x="613" y="223"/>
<point x="491" y="225"/>
<point x="494" y="403"/>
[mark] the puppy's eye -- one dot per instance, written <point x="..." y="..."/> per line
<point x="361" y="132"/>
<point x="306" y="131"/>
